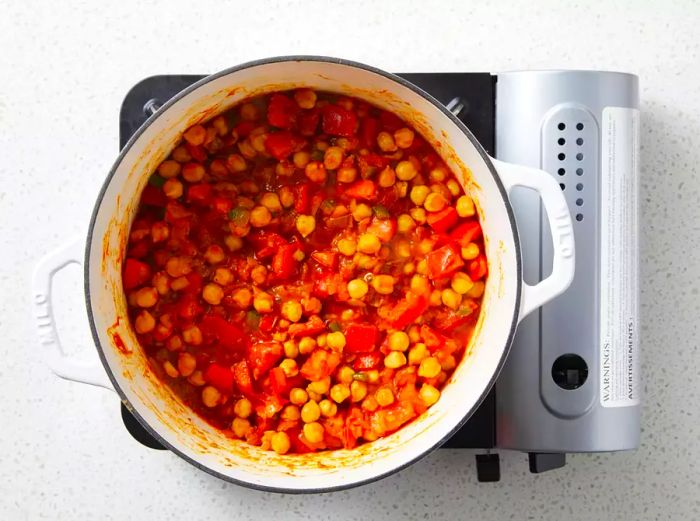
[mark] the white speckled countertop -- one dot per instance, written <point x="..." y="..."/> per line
<point x="64" y="453"/>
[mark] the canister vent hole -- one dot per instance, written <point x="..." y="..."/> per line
<point x="579" y="171"/>
<point x="561" y="157"/>
<point x="561" y="171"/>
<point x="561" y="141"/>
<point x="579" y="187"/>
<point x="579" y="156"/>
<point x="579" y="141"/>
<point x="561" y="126"/>
<point x="562" y="186"/>
<point x="579" y="126"/>
<point x="579" y="202"/>
<point x="579" y="217"/>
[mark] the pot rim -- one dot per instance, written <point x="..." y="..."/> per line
<point x="322" y="59"/>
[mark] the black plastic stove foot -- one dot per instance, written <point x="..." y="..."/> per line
<point x="544" y="461"/>
<point x="488" y="468"/>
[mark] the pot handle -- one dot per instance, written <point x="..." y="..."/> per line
<point x="560" y="224"/>
<point x="42" y="305"/>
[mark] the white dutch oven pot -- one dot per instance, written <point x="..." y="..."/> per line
<point x="507" y="299"/>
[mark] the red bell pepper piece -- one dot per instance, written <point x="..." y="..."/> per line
<point x="478" y="268"/>
<point x="267" y="323"/>
<point x="284" y="265"/>
<point x="199" y="193"/>
<point x="220" y="377"/>
<point x="361" y="338"/>
<point x="262" y="356"/>
<point x="282" y="111"/>
<point x="368" y="361"/>
<point x="302" y="204"/>
<point x="327" y="259"/>
<point x="307" y="121"/>
<point x="369" y="128"/>
<point x="244" y="128"/>
<point x="443" y="220"/>
<point x="188" y="307"/>
<point x="449" y="320"/>
<point x="135" y="273"/>
<point x="431" y="337"/>
<point x="313" y="326"/>
<point x="153" y="196"/>
<point x="364" y="189"/>
<point x="354" y="424"/>
<point x="280" y="145"/>
<point x="266" y="243"/>
<point x="385" y="229"/>
<point x="229" y="336"/>
<point x="278" y="380"/>
<point x="466" y="232"/>
<point x="194" y="283"/>
<point x="320" y="364"/>
<point x="338" y="121"/>
<point x="407" y="311"/>
<point x="444" y="261"/>
<point x="241" y="375"/>
<point x="390" y="121"/>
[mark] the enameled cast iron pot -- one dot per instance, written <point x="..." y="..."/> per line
<point x="507" y="299"/>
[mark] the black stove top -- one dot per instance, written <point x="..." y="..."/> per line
<point x="473" y="92"/>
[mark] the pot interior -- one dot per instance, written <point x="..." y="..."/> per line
<point x="174" y="423"/>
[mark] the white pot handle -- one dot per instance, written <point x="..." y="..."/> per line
<point x="61" y="364"/>
<point x="560" y="224"/>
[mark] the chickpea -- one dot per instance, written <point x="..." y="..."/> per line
<point x="178" y="266"/>
<point x="398" y="341"/>
<point x="249" y="112"/>
<point x="146" y="297"/>
<point x="257" y="141"/>
<point x="305" y="224"/>
<point x="319" y="386"/>
<point x="284" y="169"/>
<point x="243" y="297"/>
<point x="406" y="170"/>
<point x="370" y="404"/>
<point x="280" y="442"/>
<point x="193" y="172"/>
<point x="345" y="374"/>
<point x="210" y="396"/>
<point x="240" y="427"/>
<point x="387" y="177"/>
<point x="246" y="149"/>
<point x="477" y="290"/>
<point x="313" y="432"/>
<point x="290" y="413"/>
<point x="213" y="294"/>
<point x="346" y="174"/>
<point x="174" y="343"/>
<point x="420" y="285"/>
<point x="336" y="341"/>
<point x="243" y="408"/>
<point x="263" y="302"/>
<point x="429" y="367"/>
<point x="144" y="322"/>
<point x="383" y="284"/>
<point x="394" y="360"/>
<point x="306" y="345"/>
<point x="197" y="379"/>
<point x="361" y="211"/>
<point x="195" y="135"/>
<point x="328" y="408"/>
<point x="192" y="335"/>
<point x="298" y="396"/>
<point x="214" y="254"/>
<point x="292" y="311"/>
<point x="291" y="349"/>
<point x="333" y="158"/>
<point x="358" y="391"/>
<point x="429" y="394"/>
<point x="470" y="251"/>
<point x="386" y="143"/>
<point x="384" y="396"/>
<point x="310" y="412"/>
<point x="286" y="196"/>
<point x="169" y="168"/>
<point x="305" y="98"/>
<point x="422" y="267"/>
<point x="404" y="137"/>
<point x="160" y="231"/>
<point x="409" y="268"/>
<point x="347" y="247"/>
<point x="453" y="187"/>
<point x="340" y="392"/>
<point x="419" y="215"/>
<point x="170" y="370"/>
<point x="236" y="163"/>
<point x="461" y="283"/>
<point x="369" y="243"/>
<point x="438" y="174"/>
<point x="161" y="282"/>
<point x="301" y="159"/>
<point x="186" y="364"/>
<point x="315" y="171"/>
<point x="451" y="298"/>
<point x="290" y="367"/>
<point x="417" y="353"/>
<point x="223" y="276"/>
<point x="405" y="223"/>
<point x="435" y="202"/>
<point x="258" y="274"/>
<point x="173" y="189"/>
<point x="260" y="216"/>
<point x="357" y="288"/>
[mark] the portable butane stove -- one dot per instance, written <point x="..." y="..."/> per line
<point x="571" y="381"/>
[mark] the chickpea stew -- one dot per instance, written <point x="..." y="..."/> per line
<point x="305" y="272"/>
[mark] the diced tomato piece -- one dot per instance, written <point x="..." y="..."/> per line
<point x="390" y="121"/>
<point x="241" y="375"/>
<point x="367" y="361"/>
<point x="354" y="425"/>
<point x="466" y="232"/>
<point x="267" y="323"/>
<point x="375" y="160"/>
<point x="431" y="338"/>
<point x="365" y="190"/>
<point x="320" y="364"/>
<point x="369" y="128"/>
<point x="307" y="121"/>
<point x="338" y="121"/>
<point x="222" y="205"/>
<point x="389" y="419"/>
<point x="198" y="153"/>
<point x="278" y="380"/>
<point x="188" y="307"/>
<point x="280" y="145"/>
<point x="443" y="220"/>
<point x="302" y="203"/>
<point x="448" y="320"/>
<point x="244" y="128"/>
<point x="174" y="212"/>
<point x="194" y="283"/>
<point x="327" y="283"/>
<point x="199" y="193"/>
<point x="220" y="377"/>
<point x="262" y="356"/>
<point x="444" y="261"/>
<point x="361" y="338"/>
<point x="266" y="243"/>
<point x="153" y="196"/>
<point x="282" y="111"/>
<point x="385" y="229"/>
<point x="311" y="327"/>
<point x="135" y="273"/>
<point x="407" y="311"/>
<point x="229" y="336"/>
<point x="284" y="265"/>
<point x="269" y="405"/>
<point x="478" y="268"/>
<point x="327" y="259"/>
